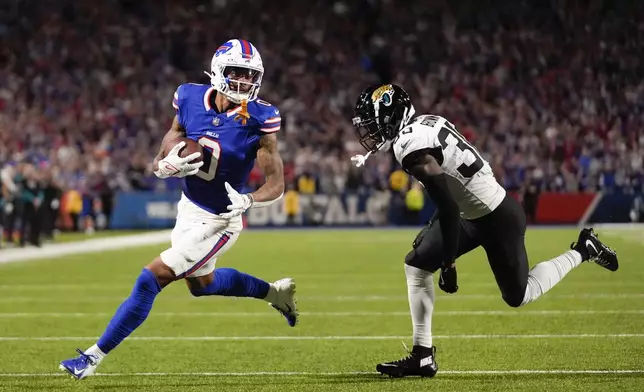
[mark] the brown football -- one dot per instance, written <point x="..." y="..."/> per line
<point x="190" y="147"/>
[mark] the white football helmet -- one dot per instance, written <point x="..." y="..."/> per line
<point x="237" y="70"/>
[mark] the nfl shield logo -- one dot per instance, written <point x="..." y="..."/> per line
<point x="216" y="121"/>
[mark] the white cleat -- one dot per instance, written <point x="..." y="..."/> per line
<point x="286" y="303"/>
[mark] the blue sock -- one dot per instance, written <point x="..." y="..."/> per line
<point x="232" y="283"/>
<point x="131" y="313"/>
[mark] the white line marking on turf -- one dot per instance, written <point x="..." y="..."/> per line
<point x="308" y="286"/>
<point x="315" y="298"/>
<point x="159" y="237"/>
<point x="392" y="337"/>
<point x="619" y="226"/>
<point x="334" y="314"/>
<point x="48" y="287"/>
<point x="50" y="251"/>
<point x="255" y="374"/>
<point x="442" y="297"/>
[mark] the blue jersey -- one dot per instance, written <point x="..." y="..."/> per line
<point x="230" y="148"/>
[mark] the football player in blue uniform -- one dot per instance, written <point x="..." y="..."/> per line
<point x="235" y="129"/>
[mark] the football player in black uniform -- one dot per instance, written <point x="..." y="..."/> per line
<point x="473" y="210"/>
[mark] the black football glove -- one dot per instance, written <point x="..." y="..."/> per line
<point x="447" y="280"/>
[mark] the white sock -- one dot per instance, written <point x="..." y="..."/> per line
<point x="547" y="274"/>
<point x="96" y="352"/>
<point x="420" y="290"/>
<point x="271" y="296"/>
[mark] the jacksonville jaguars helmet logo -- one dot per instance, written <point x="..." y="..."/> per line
<point x="383" y="95"/>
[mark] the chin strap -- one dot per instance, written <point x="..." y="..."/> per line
<point x="243" y="114"/>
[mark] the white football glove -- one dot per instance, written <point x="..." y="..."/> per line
<point x="359" y="159"/>
<point x="238" y="202"/>
<point x="175" y="166"/>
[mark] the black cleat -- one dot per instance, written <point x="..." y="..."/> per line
<point x="592" y="249"/>
<point x="421" y="361"/>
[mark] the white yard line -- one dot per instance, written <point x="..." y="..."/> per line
<point x="519" y="313"/>
<point x="457" y="297"/>
<point x="128" y="287"/>
<point x="618" y="226"/>
<point x="330" y="374"/>
<point x="119" y="242"/>
<point x="394" y="286"/>
<point x="314" y="298"/>
<point x="87" y="246"/>
<point x="276" y="338"/>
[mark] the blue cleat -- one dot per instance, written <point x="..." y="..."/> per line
<point x="80" y="367"/>
<point x="286" y="303"/>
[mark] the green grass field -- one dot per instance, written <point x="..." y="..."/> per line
<point x="582" y="336"/>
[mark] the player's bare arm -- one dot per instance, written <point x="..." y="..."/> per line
<point x="209" y="214"/>
<point x="270" y="162"/>
<point x="176" y="131"/>
<point x="426" y="169"/>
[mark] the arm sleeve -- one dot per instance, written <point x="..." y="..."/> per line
<point x="448" y="215"/>
<point x="435" y="183"/>
<point x="272" y="121"/>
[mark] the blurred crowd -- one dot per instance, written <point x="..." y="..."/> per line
<point x="552" y="92"/>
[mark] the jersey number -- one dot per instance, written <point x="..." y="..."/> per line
<point x="472" y="161"/>
<point x="208" y="171"/>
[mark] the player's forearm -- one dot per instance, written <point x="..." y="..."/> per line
<point x="450" y="221"/>
<point x="448" y="215"/>
<point x="155" y="162"/>
<point x="176" y="131"/>
<point x="270" y="162"/>
<point x="272" y="190"/>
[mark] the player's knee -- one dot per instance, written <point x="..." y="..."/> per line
<point x="147" y="283"/>
<point x="163" y="274"/>
<point x="198" y="291"/>
<point x="200" y="286"/>
<point x="411" y="259"/>
<point x="415" y="259"/>
<point x="514" y="299"/>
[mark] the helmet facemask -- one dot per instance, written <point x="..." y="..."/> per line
<point x="381" y="112"/>
<point x="371" y="135"/>
<point x="378" y="137"/>
<point x="237" y="83"/>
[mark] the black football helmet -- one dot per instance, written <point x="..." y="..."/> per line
<point x="380" y="113"/>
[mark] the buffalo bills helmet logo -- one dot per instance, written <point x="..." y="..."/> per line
<point x="224" y="48"/>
